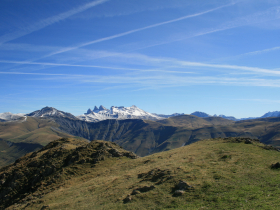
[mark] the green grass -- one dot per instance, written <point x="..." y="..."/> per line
<point x="224" y="175"/>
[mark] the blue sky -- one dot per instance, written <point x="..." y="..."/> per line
<point x="164" y="56"/>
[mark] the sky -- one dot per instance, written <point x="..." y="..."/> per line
<point x="164" y="56"/>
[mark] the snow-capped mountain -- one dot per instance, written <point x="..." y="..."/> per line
<point x="50" y="112"/>
<point x="117" y="112"/>
<point x="8" y="116"/>
<point x="226" y="117"/>
<point x="200" y="114"/>
<point x="271" y="114"/>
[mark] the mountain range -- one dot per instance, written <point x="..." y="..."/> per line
<point x="141" y="136"/>
<point x="121" y="112"/>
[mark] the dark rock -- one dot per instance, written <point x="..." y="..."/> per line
<point x="115" y="152"/>
<point x="89" y="111"/>
<point x="146" y="188"/>
<point x="183" y="186"/>
<point x="275" y="166"/>
<point x="45" y="207"/>
<point x="135" y="192"/>
<point x="127" y="199"/>
<point x="248" y="141"/>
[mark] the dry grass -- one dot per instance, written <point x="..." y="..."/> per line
<point x="224" y="175"/>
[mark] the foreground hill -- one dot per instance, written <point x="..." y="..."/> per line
<point x="230" y="173"/>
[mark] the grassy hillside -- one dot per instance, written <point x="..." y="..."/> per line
<point x="18" y="138"/>
<point x="231" y="173"/>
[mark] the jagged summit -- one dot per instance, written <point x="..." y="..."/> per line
<point x="89" y="111"/>
<point x="50" y="112"/>
<point x="102" y="108"/>
<point x="117" y="112"/>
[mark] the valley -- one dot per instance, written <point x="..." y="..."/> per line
<point x="143" y="137"/>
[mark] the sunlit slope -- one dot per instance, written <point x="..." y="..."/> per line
<point x="232" y="173"/>
<point x="18" y="138"/>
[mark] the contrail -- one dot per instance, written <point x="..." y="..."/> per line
<point x="181" y="63"/>
<point x="134" y="31"/>
<point x="48" y="21"/>
<point x="89" y="66"/>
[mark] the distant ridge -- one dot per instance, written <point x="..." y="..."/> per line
<point x="117" y="112"/>
<point x="50" y="112"/>
<point x="200" y="114"/>
<point x="271" y="114"/>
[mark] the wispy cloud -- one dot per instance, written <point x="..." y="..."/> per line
<point x="48" y="21"/>
<point x="257" y="52"/>
<point x="92" y="66"/>
<point x="165" y="81"/>
<point x="268" y="15"/>
<point x="174" y="63"/>
<point x="37" y="74"/>
<point x="136" y="30"/>
<point x="157" y="81"/>
<point x="233" y="67"/>
<point x="260" y="17"/>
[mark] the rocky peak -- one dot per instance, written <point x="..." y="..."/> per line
<point x="50" y="112"/>
<point x="102" y="108"/>
<point x="89" y="111"/>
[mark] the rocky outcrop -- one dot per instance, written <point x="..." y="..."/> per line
<point x="51" y="165"/>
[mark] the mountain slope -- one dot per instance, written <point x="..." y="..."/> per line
<point x="271" y="114"/>
<point x="145" y="137"/>
<point x="210" y="174"/>
<point x="19" y="138"/>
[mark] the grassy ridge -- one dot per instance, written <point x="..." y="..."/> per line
<point x="223" y="173"/>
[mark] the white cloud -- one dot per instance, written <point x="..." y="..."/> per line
<point x="48" y="21"/>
